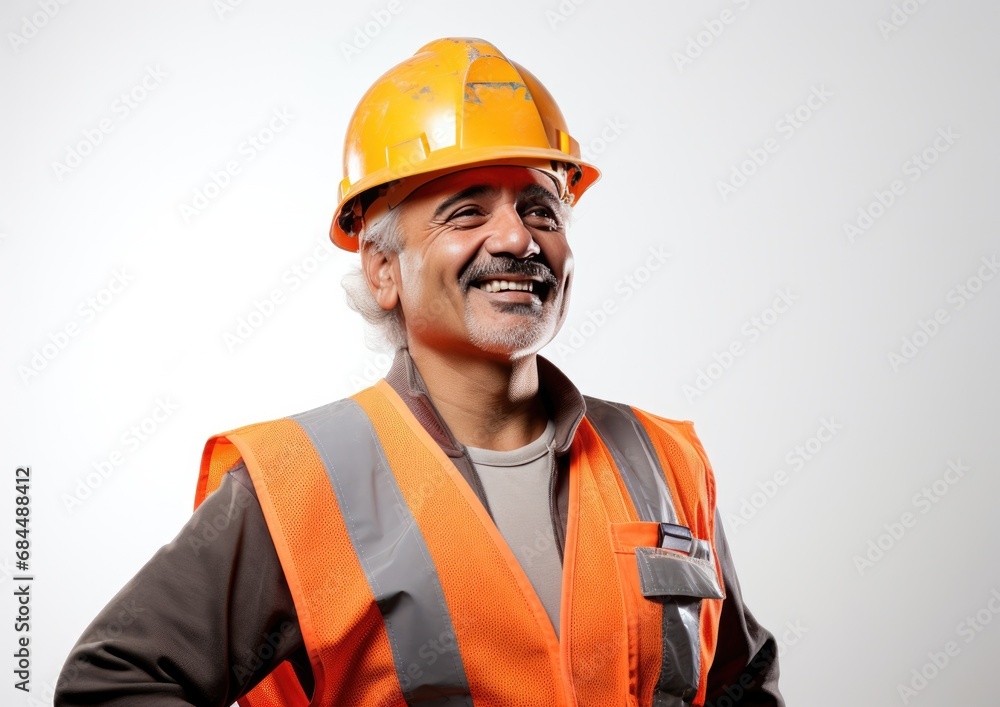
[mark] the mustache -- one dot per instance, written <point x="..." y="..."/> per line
<point x="503" y="265"/>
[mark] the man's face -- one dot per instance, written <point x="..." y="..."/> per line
<point x="485" y="266"/>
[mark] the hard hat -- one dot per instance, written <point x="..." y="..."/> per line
<point x="455" y="104"/>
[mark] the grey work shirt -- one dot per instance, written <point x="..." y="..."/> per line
<point x="517" y="488"/>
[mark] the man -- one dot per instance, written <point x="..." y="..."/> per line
<point x="470" y="530"/>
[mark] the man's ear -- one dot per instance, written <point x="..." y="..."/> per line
<point x="381" y="271"/>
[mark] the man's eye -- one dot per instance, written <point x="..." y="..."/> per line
<point x="542" y="215"/>
<point x="466" y="212"/>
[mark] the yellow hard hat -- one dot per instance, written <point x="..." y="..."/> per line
<point x="456" y="103"/>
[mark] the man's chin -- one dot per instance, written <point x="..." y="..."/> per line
<point x="516" y="340"/>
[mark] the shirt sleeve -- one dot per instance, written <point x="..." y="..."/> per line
<point x="204" y="620"/>
<point x="745" y="668"/>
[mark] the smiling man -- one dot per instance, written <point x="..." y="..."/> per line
<point x="471" y="530"/>
<point x="484" y="266"/>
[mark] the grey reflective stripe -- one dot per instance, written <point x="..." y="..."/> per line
<point x="680" y="669"/>
<point x="393" y="554"/>
<point x="662" y="699"/>
<point x="633" y="454"/>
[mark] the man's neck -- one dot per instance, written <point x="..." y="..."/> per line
<point x="485" y="403"/>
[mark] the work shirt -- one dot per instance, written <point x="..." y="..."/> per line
<point x="517" y="488"/>
<point x="210" y="614"/>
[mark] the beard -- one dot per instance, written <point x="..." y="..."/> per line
<point x="538" y="327"/>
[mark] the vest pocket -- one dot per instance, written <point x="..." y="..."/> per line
<point x="665" y="572"/>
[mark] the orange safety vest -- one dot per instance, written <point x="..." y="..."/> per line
<point x="406" y="592"/>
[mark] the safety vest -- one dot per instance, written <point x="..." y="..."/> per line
<point x="406" y="593"/>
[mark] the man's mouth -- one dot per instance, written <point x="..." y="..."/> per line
<point x="516" y="288"/>
<point x="498" y="285"/>
<point x="511" y="280"/>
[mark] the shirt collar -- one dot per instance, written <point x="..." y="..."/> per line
<point x="564" y="402"/>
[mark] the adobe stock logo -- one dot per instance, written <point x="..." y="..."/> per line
<point x="130" y="440"/>
<point x="923" y="500"/>
<point x="795" y="460"/>
<point x="914" y="168"/>
<point x="751" y="331"/>
<point x="266" y="306"/>
<point x="900" y="15"/>
<point x="699" y="43"/>
<point x="221" y="178"/>
<point x="612" y="130"/>
<point x="31" y="26"/>
<point x="928" y="329"/>
<point x="224" y="7"/>
<point x="787" y="126"/>
<point x="366" y="33"/>
<point x="563" y="12"/>
<point x="937" y="661"/>
<point x="576" y="337"/>
<point x="86" y="313"/>
<point x="120" y="110"/>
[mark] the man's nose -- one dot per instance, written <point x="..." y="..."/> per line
<point x="510" y="235"/>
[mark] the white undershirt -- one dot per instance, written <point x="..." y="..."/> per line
<point x="517" y="489"/>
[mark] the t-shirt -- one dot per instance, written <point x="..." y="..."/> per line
<point x="516" y="483"/>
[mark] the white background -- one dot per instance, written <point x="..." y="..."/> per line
<point x="679" y="107"/>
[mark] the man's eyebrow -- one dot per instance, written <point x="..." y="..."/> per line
<point x="474" y="191"/>
<point x="536" y="192"/>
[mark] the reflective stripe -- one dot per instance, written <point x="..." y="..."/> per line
<point x="633" y="454"/>
<point x="662" y="699"/>
<point x="680" y="671"/>
<point x="392" y="552"/>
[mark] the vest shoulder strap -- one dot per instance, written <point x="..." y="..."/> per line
<point x="662" y="463"/>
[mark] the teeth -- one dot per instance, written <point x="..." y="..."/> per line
<point x="499" y="285"/>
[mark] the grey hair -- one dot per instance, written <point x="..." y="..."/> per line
<point x="386" y="331"/>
